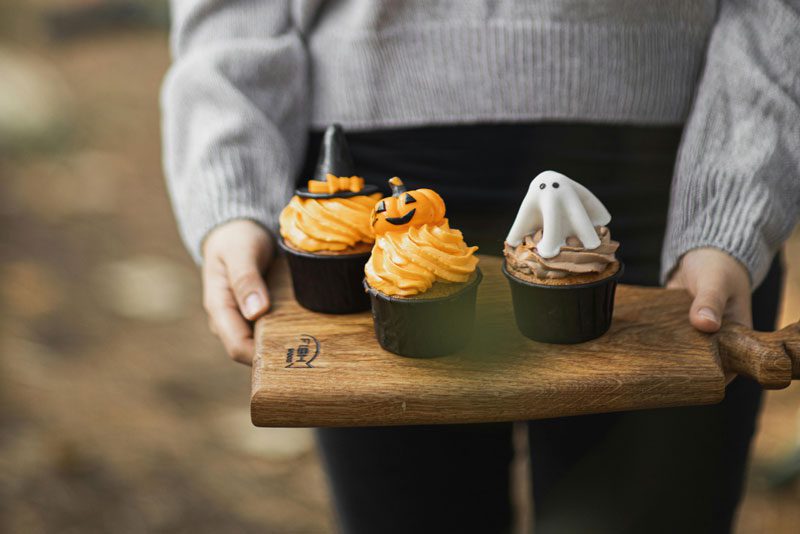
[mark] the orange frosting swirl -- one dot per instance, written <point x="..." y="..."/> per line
<point x="407" y="263"/>
<point x="328" y="224"/>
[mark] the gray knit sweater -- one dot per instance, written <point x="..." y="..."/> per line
<point x="251" y="77"/>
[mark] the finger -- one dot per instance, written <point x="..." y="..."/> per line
<point x="708" y="306"/>
<point x="739" y="309"/>
<point x="248" y="285"/>
<point x="215" y="288"/>
<point x="224" y="318"/>
<point x="674" y="283"/>
<point x="236" y="334"/>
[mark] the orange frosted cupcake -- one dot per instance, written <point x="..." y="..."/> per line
<point x="422" y="277"/>
<point x="326" y="233"/>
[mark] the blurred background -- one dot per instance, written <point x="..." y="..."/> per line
<point x="119" y="412"/>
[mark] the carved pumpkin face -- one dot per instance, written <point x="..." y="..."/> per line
<point x="405" y="209"/>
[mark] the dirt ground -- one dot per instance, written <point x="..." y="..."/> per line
<point x="119" y="412"/>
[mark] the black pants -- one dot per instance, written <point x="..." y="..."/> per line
<point x="668" y="470"/>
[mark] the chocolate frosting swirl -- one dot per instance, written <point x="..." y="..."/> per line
<point x="573" y="258"/>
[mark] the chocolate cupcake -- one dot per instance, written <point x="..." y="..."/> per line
<point x="422" y="278"/>
<point x="326" y="233"/>
<point x="560" y="262"/>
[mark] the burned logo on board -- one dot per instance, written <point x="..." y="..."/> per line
<point x="301" y="356"/>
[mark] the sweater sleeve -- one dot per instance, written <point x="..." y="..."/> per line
<point x="234" y="113"/>
<point x="737" y="180"/>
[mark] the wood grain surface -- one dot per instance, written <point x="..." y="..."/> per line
<point x="314" y="369"/>
<point x="770" y="358"/>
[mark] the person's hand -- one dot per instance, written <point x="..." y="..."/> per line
<point x="720" y="286"/>
<point x="235" y="257"/>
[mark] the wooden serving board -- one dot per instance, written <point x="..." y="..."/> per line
<point x="314" y="369"/>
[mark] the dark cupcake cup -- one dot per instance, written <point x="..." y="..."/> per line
<point x="328" y="283"/>
<point x="563" y="314"/>
<point x="424" y="327"/>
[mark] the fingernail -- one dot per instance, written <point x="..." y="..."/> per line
<point x="253" y="304"/>
<point x="708" y="313"/>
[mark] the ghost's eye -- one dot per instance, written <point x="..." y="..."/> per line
<point x="542" y="186"/>
<point x="409" y="199"/>
<point x="381" y="207"/>
<point x="555" y="185"/>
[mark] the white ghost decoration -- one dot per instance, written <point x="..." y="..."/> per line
<point x="561" y="207"/>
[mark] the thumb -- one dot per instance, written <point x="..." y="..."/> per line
<point x="708" y="306"/>
<point x="248" y="286"/>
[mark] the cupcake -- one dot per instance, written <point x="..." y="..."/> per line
<point x="422" y="278"/>
<point x="560" y="262"/>
<point x="326" y="233"/>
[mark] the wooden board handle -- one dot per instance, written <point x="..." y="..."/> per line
<point x="770" y="358"/>
<point x="791" y="344"/>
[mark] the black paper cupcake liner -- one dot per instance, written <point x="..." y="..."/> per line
<point x="563" y="314"/>
<point x="328" y="283"/>
<point x="424" y="328"/>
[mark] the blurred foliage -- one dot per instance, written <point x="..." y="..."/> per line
<point x="100" y="16"/>
<point x="36" y="103"/>
<point x="26" y="21"/>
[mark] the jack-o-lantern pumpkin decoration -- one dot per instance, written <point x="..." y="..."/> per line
<point x="405" y="209"/>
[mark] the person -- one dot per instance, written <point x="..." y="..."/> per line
<point x="683" y="117"/>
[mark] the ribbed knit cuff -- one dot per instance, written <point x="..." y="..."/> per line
<point x="723" y="211"/>
<point x="227" y="186"/>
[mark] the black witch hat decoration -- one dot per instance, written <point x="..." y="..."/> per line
<point x="335" y="176"/>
